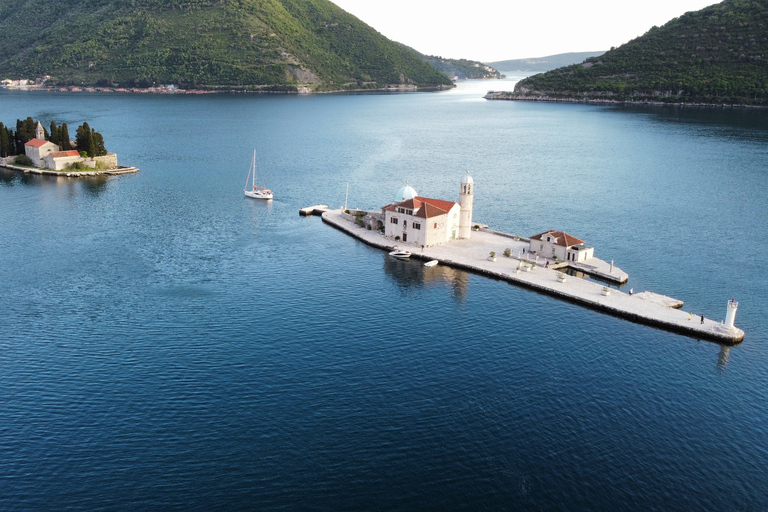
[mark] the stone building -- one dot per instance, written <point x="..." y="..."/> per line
<point x="561" y="246"/>
<point x="418" y="220"/>
<point x="38" y="149"/>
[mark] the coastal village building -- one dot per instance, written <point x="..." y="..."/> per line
<point x="561" y="246"/>
<point x="38" y="149"/>
<point x="425" y="221"/>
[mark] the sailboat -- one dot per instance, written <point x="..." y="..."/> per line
<point x="255" y="192"/>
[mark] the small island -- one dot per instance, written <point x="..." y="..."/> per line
<point x="34" y="149"/>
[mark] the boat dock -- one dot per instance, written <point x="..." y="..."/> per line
<point x="318" y="210"/>
<point x="473" y="255"/>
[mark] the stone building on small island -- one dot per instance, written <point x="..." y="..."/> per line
<point x="424" y="221"/>
<point x="38" y="149"/>
<point x="46" y="154"/>
<point x="560" y="246"/>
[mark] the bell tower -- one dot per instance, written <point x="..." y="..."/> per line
<point x="466" y="195"/>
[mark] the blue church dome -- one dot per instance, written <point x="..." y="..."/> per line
<point x="405" y="193"/>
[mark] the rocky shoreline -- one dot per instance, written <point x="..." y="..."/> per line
<point x="509" y="96"/>
<point x="176" y="90"/>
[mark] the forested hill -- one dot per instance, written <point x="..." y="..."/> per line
<point x="716" y="55"/>
<point x="248" y="44"/>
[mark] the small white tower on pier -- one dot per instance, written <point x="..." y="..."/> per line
<point x="465" y="203"/>
<point x="730" y="313"/>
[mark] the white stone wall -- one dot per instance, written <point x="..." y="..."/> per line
<point x="61" y="163"/>
<point x="38" y="154"/>
<point x="109" y="161"/>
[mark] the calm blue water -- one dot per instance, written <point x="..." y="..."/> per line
<point x="166" y="344"/>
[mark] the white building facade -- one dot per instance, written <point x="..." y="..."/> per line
<point x="424" y="221"/>
<point x="38" y="149"/>
<point x="561" y="246"/>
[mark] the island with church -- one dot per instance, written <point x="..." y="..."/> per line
<point x="551" y="262"/>
<point x="32" y="148"/>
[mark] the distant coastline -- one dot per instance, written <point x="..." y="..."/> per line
<point x="509" y="96"/>
<point x="169" y="89"/>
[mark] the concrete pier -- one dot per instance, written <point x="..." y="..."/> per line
<point x="317" y="209"/>
<point x="473" y="255"/>
<point x="71" y="174"/>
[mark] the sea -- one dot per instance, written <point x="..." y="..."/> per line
<point x="169" y="344"/>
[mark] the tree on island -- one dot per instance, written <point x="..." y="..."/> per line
<point x="6" y="136"/>
<point x="55" y="133"/>
<point x="89" y="141"/>
<point x="65" y="144"/>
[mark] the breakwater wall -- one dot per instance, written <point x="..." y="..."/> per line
<point x="472" y="255"/>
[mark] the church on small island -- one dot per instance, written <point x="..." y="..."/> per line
<point x="46" y="154"/>
<point x="424" y="221"/>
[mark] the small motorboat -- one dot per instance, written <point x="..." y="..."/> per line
<point x="430" y="263"/>
<point x="400" y="253"/>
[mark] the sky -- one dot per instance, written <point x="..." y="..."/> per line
<point x="513" y="29"/>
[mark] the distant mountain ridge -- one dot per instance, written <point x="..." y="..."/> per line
<point x="212" y="44"/>
<point x="717" y="55"/>
<point x="546" y="63"/>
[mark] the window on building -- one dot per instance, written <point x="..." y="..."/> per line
<point x="409" y="212"/>
<point x="416" y="225"/>
<point x="435" y="225"/>
<point x="393" y="220"/>
<point x="405" y="224"/>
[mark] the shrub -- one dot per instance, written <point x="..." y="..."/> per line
<point x="76" y="166"/>
<point x="507" y="252"/>
<point x="23" y="160"/>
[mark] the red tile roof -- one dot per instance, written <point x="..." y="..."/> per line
<point x="61" y="154"/>
<point x="561" y="238"/>
<point x="443" y="205"/>
<point x="428" y="210"/>
<point x="36" y="143"/>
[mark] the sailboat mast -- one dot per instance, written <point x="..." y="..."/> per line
<point x="253" y="164"/>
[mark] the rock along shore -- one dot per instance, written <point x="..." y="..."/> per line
<point x="472" y="255"/>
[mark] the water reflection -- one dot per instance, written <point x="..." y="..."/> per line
<point x="742" y="123"/>
<point x="412" y="275"/>
<point x="722" y="358"/>
<point x="92" y="185"/>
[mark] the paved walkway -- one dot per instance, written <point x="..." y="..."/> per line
<point x="473" y="254"/>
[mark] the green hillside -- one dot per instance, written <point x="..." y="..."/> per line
<point x="716" y="55"/>
<point x="462" y="68"/>
<point x="247" y="44"/>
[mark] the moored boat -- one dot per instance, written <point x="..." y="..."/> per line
<point x="255" y="192"/>
<point x="400" y="253"/>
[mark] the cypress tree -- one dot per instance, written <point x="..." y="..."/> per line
<point x="98" y="141"/>
<point x="92" y="146"/>
<point x="83" y="139"/>
<point x="54" y="133"/>
<point x="25" y="131"/>
<point x="64" y="141"/>
<point x="5" y="141"/>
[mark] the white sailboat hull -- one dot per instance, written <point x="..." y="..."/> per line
<point x="255" y="192"/>
<point x="258" y="194"/>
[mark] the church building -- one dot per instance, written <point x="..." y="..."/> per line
<point x="418" y="220"/>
